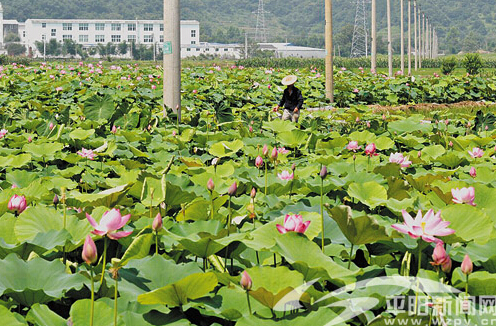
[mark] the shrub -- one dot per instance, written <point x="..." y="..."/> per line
<point x="448" y="65"/>
<point x="472" y="62"/>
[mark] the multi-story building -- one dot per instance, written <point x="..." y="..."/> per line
<point x="91" y="32"/>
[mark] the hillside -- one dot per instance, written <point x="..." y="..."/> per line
<point x="468" y="25"/>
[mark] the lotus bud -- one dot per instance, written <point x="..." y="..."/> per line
<point x="473" y="172"/>
<point x="246" y="281"/>
<point x="467" y="265"/>
<point x="157" y="223"/>
<point x="446" y="266"/>
<point x="265" y="150"/>
<point x="259" y="162"/>
<point x="419" y="154"/>
<point x="323" y="172"/>
<point x="250" y="129"/>
<point x="114" y="129"/>
<point x="55" y="200"/>
<point x="439" y="255"/>
<point x="383" y="117"/>
<point x="232" y="189"/>
<point x="17" y="204"/>
<point x="51" y="126"/>
<point x="89" y="251"/>
<point x="253" y="192"/>
<point x="273" y="155"/>
<point x="293" y="166"/>
<point x="30" y="139"/>
<point x="486" y="128"/>
<point x="215" y="161"/>
<point x="210" y="185"/>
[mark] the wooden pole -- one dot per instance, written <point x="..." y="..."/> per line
<point x="424" y="39"/>
<point x="329" y="58"/>
<point x="172" y="57"/>
<point x="373" y="36"/>
<point x="390" y="45"/>
<point x="402" y="38"/>
<point x="415" y="33"/>
<point x="409" y="37"/>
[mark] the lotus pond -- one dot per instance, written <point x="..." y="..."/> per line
<point x="112" y="214"/>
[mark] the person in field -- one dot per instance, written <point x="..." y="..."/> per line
<point x="292" y="100"/>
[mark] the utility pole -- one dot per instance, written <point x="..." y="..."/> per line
<point x="415" y="32"/>
<point x="44" y="48"/>
<point x="428" y="43"/>
<point x="246" y="45"/>
<point x="328" y="44"/>
<point x="172" y="57"/>
<point x="420" y="37"/>
<point x="359" y="46"/>
<point x="390" y="45"/>
<point x="424" y="39"/>
<point x="402" y="38"/>
<point x="373" y="36"/>
<point x="409" y="37"/>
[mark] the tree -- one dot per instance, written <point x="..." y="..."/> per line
<point x="11" y="37"/>
<point x="15" y="49"/>
<point x="453" y="43"/>
<point x="69" y="47"/>
<point x="343" y="40"/>
<point x="122" y="48"/>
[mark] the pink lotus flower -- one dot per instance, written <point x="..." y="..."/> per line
<point x="59" y="89"/>
<point x="427" y="227"/>
<point x="51" y="126"/>
<point x="17" y="204"/>
<point x="245" y="281"/>
<point x="282" y="150"/>
<point x="467" y="265"/>
<point x="3" y="132"/>
<point x="370" y="150"/>
<point x="154" y="86"/>
<point x="473" y="172"/>
<point x="293" y="223"/>
<point x="111" y="221"/>
<point x="114" y="129"/>
<point x="89" y="251"/>
<point x="284" y="175"/>
<point x="476" y="152"/>
<point x="259" y="162"/>
<point x="87" y="153"/>
<point x="464" y="195"/>
<point x="355" y="90"/>
<point x="398" y="158"/>
<point x="353" y="146"/>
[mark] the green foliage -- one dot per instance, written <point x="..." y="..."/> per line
<point x="472" y="62"/>
<point x="448" y="65"/>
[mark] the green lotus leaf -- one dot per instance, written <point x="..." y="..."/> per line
<point x="103" y="313"/>
<point x="359" y="230"/>
<point x="36" y="281"/>
<point x="99" y="107"/>
<point x="40" y="150"/>
<point x="15" y="161"/>
<point x="181" y="292"/>
<point x="139" y="248"/>
<point x="293" y="138"/>
<point x="278" y="125"/>
<point x="226" y="148"/>
<point x="467" y="220"/>
<point x="81" y="134"/>
<point x="42" y="315"/>
<point x="108" y="198"/>
<point x="371" y="193"/>
<point x="11" y="318"/>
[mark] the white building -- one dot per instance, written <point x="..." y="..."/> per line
<point x="285" y="50"/>
<point x="226" y="51"/>
<point x="91" y="32"/>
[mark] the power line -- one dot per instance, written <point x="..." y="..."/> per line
<point x="261" y="30"/>
<point x="359" y="44"/>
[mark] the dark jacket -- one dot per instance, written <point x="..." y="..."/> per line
<point x="290" y="102"/>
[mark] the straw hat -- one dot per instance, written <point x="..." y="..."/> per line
<point x="289" y="80"/>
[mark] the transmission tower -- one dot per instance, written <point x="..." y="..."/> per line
<point x="359" y="45"/>
<point x="261" y="30"/>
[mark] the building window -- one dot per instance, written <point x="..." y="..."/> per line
<point x="161" y="39"/>
<point x="43" y="25"/>
<point x="54" y="32"/>
<point x="193" y="42"/>
<point x="67" y="37"/>
<point x="100" y="38"/>
<point x="197" y="49"/>
<point x="43" y="37"/>
<point x="131" y="27"/>
<point x="207" y="49"/>
<point x="67" y="27"/>
<point x="148" y="27"/>
<point x="83" y="38"/>
<point x="23" y="33"/>
<point x="225" y="50"/>
<point x="115" y="27"/>
<point x="83" y="27"/>
<point x="217" y="50"/>
<point x="188" y="49"/>
<point x="99" y="26"/>
<point x="131" y="38"/>
<point x="193" y="33"/>
<point x="161" y="27"/>
<point x="148" y="38"/>
<point x="116" y="38"/>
